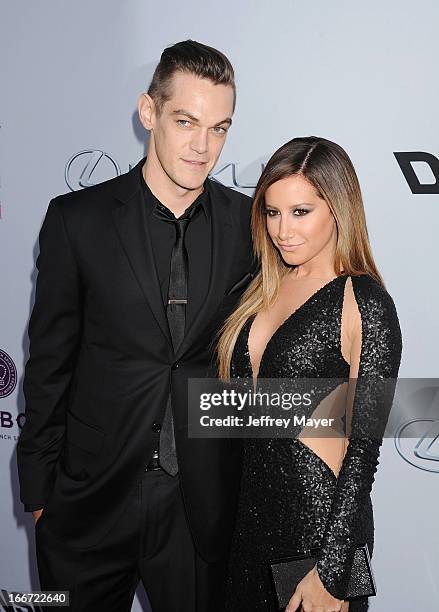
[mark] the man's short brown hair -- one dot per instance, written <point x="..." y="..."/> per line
<point x="191" y="57"/>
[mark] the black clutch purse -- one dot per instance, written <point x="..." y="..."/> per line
<point x="288" y="572"/>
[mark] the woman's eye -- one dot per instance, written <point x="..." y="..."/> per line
<point x="301" y="212"/>
<point x="270" y="212"/>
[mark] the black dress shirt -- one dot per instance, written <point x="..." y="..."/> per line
<point x="198" y="247"/>
<point x="198" y="242"/>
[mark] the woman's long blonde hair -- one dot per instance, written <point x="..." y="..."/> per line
<point x="329" y="169"/>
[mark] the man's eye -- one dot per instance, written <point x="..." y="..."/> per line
<point x="220" y="130"/>
<point x="183" y="122"/>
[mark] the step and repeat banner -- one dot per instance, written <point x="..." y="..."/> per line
<point x="360" y="74"/>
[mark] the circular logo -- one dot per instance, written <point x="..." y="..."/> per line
<point x="8" y="374"/>
<point x="417" y="442"/>
<point x="81" y="166"/>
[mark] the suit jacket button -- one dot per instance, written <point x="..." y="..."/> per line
<point x="175" y="366"/>
<point x="156" y="427"/>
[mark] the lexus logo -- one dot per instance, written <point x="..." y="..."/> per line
<point x="405" y="160"/>
<point x="417" y="442"/>
<point x="234" y="180"/>
<point x="90" y="167"/>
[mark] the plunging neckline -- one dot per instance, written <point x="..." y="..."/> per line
<point x="287" y="320"/>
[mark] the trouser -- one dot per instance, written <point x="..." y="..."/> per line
<point x="150" y="542"/>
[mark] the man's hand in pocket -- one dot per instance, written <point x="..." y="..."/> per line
<point x="37" y="514"/>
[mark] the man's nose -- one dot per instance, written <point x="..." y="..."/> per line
<point x="200" y="141"/>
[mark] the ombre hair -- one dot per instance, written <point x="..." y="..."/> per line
<point x="329" y="170"/>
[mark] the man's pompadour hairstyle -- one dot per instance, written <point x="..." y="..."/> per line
<point x="191" y="57"/>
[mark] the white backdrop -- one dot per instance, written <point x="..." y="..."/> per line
<point x="361" y="74"/>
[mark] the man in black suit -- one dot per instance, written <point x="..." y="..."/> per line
<point x="136" y="276"/>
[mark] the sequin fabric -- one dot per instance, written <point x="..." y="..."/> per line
<point x="290" y="500"/>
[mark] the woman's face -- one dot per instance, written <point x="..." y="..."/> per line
<point x="300" y="223"/>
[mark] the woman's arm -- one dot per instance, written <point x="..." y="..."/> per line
<point x="375" y="357"/>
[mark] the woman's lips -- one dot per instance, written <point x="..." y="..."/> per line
<point x="290" y="247"/>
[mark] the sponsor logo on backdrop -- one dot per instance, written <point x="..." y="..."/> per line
<point x="406" y="159"/>
<point x="92" y="166"/>
<point x="8" y="421"/>
<point x="417" y="442"/>
<point x="8" y="374"/>
<point x="83" y="165"/>
<point x="228" y="175"/>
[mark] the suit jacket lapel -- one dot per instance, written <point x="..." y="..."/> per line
<point x="136" y="241"/>
<point x="223" y="242"/>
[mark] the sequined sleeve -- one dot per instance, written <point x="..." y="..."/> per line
<point x="379" y="361"/>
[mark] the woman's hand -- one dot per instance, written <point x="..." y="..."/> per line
<point x="311" y="596"/>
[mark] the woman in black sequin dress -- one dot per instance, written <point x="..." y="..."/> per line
<point x="317" y="309"/>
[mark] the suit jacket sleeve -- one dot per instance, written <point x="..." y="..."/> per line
<point x="54" y="334"/>
<point x="375" y="386"/>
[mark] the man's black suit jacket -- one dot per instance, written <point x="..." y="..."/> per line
<point x="101" y="365"/>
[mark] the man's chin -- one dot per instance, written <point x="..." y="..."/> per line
<point x="190" y="185"/>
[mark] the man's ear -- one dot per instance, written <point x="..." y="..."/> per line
<point x="147" y="110"/>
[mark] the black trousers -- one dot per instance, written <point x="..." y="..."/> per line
<point x="151" y="542"/>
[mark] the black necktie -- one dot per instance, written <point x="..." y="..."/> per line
<point x="176" y="315"/>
